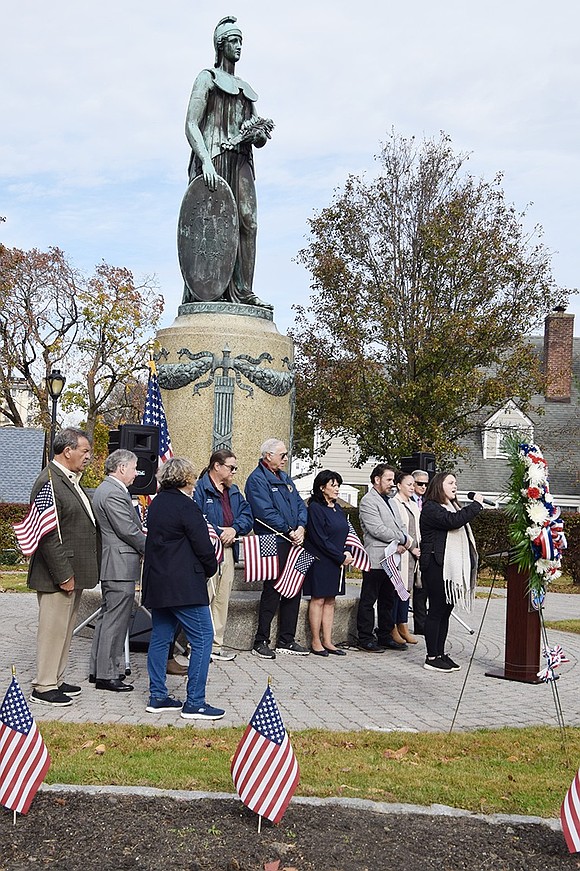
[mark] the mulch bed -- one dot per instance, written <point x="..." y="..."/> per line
<point x="79" y="832"/>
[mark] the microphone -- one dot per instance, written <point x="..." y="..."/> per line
<point x="491" y="502"/>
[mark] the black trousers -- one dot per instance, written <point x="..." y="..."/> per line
<point x="271" y="601"/>
<point x="419" y="609"/>
<point x="376" y="589"/>
<point x="438" y="611"/>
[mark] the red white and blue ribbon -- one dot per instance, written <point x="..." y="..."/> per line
<point x="554" y="657"/>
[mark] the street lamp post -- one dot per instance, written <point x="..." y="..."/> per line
<point x="55" y="385"/>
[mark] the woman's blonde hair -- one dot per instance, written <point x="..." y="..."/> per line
<point x="176" y="473"/>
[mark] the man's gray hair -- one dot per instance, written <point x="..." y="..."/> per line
<point x="418" y="472"/>
<point x="269" y="446"/>
<point x="120" y="457"/>
<point x="68" y="438"/>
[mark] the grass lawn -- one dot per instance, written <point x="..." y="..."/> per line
<point x="508" y="770"/>
<point x="13" y="579"/>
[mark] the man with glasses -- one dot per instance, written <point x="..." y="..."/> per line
<point x="223" y="505"/>
<point x="421" y="479"/>
<point x="277" y="507"/>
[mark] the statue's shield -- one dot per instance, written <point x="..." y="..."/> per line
<point x="207" y="238"/>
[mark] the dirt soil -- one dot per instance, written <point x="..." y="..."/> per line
<point x="76" y="831"/>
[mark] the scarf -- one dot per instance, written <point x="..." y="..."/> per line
<point x="460" y="566"/>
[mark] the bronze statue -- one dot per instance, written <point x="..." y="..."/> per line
<point x="217" y="227"/>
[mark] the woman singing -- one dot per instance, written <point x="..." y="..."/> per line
<point x="448" y="563"/>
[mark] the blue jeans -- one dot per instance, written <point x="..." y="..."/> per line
<point x="198" y="628"/>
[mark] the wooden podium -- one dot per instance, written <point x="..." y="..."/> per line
<point x="522" y="637"/>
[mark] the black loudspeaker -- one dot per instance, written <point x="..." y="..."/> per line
<point x="144" y="442"/>
<point x="419" y="460"/>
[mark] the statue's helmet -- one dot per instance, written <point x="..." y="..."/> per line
<point x="225" y="27"/>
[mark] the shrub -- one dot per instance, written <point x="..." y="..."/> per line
<point x="10" y="512"/>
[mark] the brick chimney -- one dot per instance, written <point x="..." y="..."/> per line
<point x="558" y="347"/>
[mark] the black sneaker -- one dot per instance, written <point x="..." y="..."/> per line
<point x="453" y="665"/>
<point x="70" y="689"/>
<point x="293" y="648"/>
<point x="436" y="664"/>
<point x="54" y="698"/>
<point x="263" y="650"/>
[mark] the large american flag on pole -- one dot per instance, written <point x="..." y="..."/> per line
<point x="264" y="768"/>
<point x="154" y="414"/>
<point x="41" y="519"/>
<point x="361" y="559"/>
<point x="24" y="759"/>
<point x="291" y="579"/>
<point x="570" y="816"/>
<point x="260" y="558"/>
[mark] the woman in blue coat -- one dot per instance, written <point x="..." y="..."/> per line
<point x="179" y="557"/>
<point x="326" y="532"/>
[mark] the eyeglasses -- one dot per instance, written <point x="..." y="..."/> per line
<point x="282" y="456"/>
<point x="421" y="483"/>
<point x="231" y="468"/>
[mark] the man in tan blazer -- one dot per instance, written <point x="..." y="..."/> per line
<point x="63" y="565"/>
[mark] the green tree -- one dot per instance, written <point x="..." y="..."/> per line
<point x="426" y="285"/>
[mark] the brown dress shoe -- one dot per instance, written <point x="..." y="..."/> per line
<point x="173" y="667"/>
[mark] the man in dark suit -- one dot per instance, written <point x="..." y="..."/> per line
<point x="63" y="565"/>
<point x="123" y="543"/>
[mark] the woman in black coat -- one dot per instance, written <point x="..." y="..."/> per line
<point x="179" y="557"/>
<point x="448" y="563"/>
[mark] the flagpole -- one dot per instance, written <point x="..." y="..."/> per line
<point x="259" y="822"/>
<point x="55" y="506"/>
<point x="14" y="811"/>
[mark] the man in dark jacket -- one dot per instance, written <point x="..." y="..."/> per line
<point x="63" y="565"/>
<point x="224" y="506"/>
<point x="276" y="506"/>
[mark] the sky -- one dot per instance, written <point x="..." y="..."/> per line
<point x="93" y="156"/>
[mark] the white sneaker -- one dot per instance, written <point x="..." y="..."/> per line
<point x="220" y="656"/>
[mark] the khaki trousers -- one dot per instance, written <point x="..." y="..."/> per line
<point x="56" y="620"/>
<point x="219" y="588"/>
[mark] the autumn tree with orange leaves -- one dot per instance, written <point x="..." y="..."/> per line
<point x="95" y="328"/>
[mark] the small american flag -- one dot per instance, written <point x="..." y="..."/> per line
<point x="361" y="559"/>
<point x="216" y="541"/>
<point x="24" y="759"/>
<point x="260" y="558"/>
<point x="40" y="520"/>
<point x="570" y="816"/>
<point x="290" y="581"/>
<point x="264" y="768"/>
<point x="391" y="563"/>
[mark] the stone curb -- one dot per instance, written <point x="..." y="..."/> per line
<point x="379" y="807"/>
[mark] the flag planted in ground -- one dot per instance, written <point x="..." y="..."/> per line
<point x="40" y="520"/>
<point x="260" y="558"/>
<point x="24" y="759"/>
<point x="570" y="816"/>
<point x="291" y="579"/>
<point x="361" y="559"/>
<point x="264" y="768"/>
